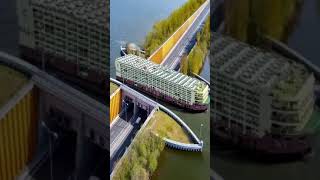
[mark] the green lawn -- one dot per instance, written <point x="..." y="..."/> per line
<point x="113" y="87"/>
<point x="163" y="125"/>
<point x="11" y="82"/>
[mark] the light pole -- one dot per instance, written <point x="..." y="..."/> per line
<point x="125" y="108"/>
<point x="42" y="59"/>
<point x="55" y="135"/>
<point x="126" y="111"/>
<point x="201" y="129"/>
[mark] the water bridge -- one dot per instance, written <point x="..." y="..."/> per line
<point x="170" y="52"/>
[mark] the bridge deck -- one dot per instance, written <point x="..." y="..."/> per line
<point x="118" y="133"/>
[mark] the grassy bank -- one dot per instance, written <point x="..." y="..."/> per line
<point x="163" y="125"/>
<point x="193" y="63"/>
<point x="163" y="29"/>
<point x="113" y="87"/>
<point x="11" y="82"/>
<point x="142" y="160"/>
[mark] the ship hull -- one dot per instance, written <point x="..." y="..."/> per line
<point x="35" y="56"/>
<point x="94" y="81"/>
<point x="163" y="97"/>
<point x="268" y="147"/>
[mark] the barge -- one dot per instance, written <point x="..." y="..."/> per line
<point x="163" y="83"/>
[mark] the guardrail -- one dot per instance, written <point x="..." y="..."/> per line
<point x="292" y="54"/>
<point x="54" y="86"/>
<point x="201" y="78"/>
<point x="182" y="146"/>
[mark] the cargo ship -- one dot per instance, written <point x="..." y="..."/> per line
<point x="163" y="83"/>
<point x="262" y="100"/>
<point x="71" y="40"/>
<point x="270" y="147"/>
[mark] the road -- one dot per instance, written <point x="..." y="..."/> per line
<point x="122" y="138"/>
<point x="172" y="60"/>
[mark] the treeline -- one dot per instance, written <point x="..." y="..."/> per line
<point x="193" y="63"/>
<point x="250" y="20"/>
<point x="163" y="29"/>
<point x="142" y="160"/>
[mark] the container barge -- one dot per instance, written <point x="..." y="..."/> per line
<point x="261" y="100"/>
<point x="72" y="39"/>
<point x="163" y="83"/>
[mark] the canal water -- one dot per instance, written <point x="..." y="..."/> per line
<point x="301" y="34"/>
<point x="131" y="20"/>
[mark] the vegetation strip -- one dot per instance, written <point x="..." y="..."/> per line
<point x="142" y="160"/>
<point x="163" y="29"/>
<point x="194" y="62"/>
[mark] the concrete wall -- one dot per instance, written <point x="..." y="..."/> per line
<point x="55" y="110"/>
<point x="115" y="104"/>
<point x="18" y="135"/>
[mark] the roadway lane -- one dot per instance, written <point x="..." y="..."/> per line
<point x="172" y="60"/>
<point x="119" y="132"/>
<point x="122" y="147"/>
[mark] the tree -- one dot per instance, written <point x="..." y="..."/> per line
<point x="153" y="163"/>
<point x="139" y="173"/>
<point x="184" y="65"/>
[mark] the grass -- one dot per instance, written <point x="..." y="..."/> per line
<point x="163" y="125"/>
<point x="11" y="81"/>
<point x="113" y="87"/>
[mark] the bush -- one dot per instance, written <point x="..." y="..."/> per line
<point x="141" y="160"/>
<point x="195" y="60"/>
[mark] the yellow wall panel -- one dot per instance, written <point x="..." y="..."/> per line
<point x="18" y="135"/>
<point x="115" y="105"/>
